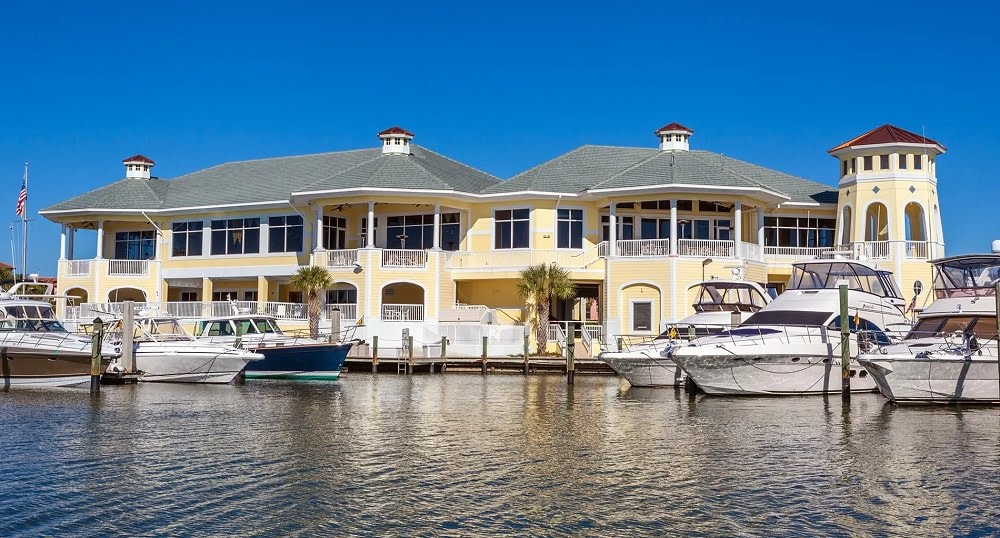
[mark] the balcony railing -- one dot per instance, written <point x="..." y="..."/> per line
<point x="79" y="267"/>
<point x="348" y="311"/>
<point x="196" y="309"/>
<point x="128" y="267"/>
<point x="517" y="259"/>
<point x="341" y="258"/>
<point x="402" y="312"/>
<point x="408" y="258"/>
<point x="715" y="248"/>
<point x="629" y="248"/>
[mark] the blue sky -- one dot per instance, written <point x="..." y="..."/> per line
<point x="500" y="86"/>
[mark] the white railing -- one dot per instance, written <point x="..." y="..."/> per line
<point x="402" y="312"/>
<point x="629" y="248"/>
<point x="917" y="250"/>
<point x="396" y="257"/>
<point x="348" y="311"/>
<point x="798" y="253"/>
<point x="341" y="258"/>
<point x="751" y="251"/>
<point x="516" y="259"/>
<point x="557" y="333"/>
<point x="715" y="248"/>
<point x="79" y="267"/>
<point x="128" y="267"/>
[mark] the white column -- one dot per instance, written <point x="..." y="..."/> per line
<point x="673" y="230"/>
<point x="100" y="240"/>
<point x="613" y="231"/>
<point x="468" y="230"/>
<point x="62" y="243"/>
<point x="319" y="228"/>
<point x="437" y="227"/>
<point x="760" y="228"/>
<point x="738" y="227"/>
<point x="370" y="237"/>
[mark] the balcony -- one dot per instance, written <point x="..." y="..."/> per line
<point x="105" y="267"/>
<point x="192" y="310"/>
<point x="518" y="259"/>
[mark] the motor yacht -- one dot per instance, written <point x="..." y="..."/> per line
<point x="164" y="351"/>
<point x="35" y="349"/>
<point x="950" y="354"/>
<point x="792" y="346"/>
<point x="285" y="356"/>
<point x="718" y="305"/>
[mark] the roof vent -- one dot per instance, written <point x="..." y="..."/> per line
<point x="396" y="140"/>
<point x="673" y="136"/>
<point x="137" y="167"/>
<point x="996" y="246"/>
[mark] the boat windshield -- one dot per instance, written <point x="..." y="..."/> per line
<point x="985" y="327"/>
<point x="265" y="326"/>
<point x="29" y="317"/>
<point x="788" y="317"/>
<point x="160" y="329"/>
<point x="966" y="276"/>
<point x="728" y="297"/>
<point x="826" y="275"/>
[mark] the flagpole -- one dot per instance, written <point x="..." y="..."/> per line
<point x="24" y="224"/>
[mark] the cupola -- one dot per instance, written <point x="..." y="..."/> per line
<point x="396" y="140"/>
<point x="674" y="137"/>
<point x="138" y="167"/>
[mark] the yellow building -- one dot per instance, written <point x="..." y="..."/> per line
<point x="416" y="240"/>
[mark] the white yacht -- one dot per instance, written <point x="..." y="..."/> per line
<point x="792" y="345"/>
<point x="950" y="355"/>
<point x="35" y="349"/>
<point x="718" y="303"/>
<point x="164" y="351"/>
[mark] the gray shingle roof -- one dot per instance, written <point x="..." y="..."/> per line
<point x="605" y="167"/>
<point x="267" y="180"/>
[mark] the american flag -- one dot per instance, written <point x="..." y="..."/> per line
<point x="22" y="198"/>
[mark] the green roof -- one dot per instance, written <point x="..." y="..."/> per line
<point x="594" y="168"/>
<point x="275" y="180"/>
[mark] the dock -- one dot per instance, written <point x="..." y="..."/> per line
<point x="489" y="365"/>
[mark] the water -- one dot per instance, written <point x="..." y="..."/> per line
<point x="467" y="455"/>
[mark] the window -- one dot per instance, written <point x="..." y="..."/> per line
<point x="451" y="230"/>
<point x="187" y="238"/>
<point x="642" y="316"/>
<point x="902" y="160"/>
<point x="853" y="165"/>
<point x="334" y="233"/>
<point x="235" y="236"/>
<point x="844" y="173"/>
<point x="409" y="231"/>
<point x="626" y="226"/>
<point x="135" y="245"/>
<point x="883" y="162"/>
<point x="569" y="229"/>
<point x="342" y="296"/>
<point x="284" y="234"/>
<point x="799" y="232"/>
<point x="918" y="162"/>
<point x="225" y="295"/>
<point x="654" y="228"/>
<point x="189" y="296"/>
<point x="868" y="162"/>
<point x="511" y="228"/>
<point x="363" y="236"/>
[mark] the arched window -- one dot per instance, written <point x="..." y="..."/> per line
<point x="877" y="223"/>
<point x="916" y="229"/>
<point x="846" y="225"/>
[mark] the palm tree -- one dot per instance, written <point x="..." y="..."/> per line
<point x="312" y="280"/>
<point x="538" y="285"/>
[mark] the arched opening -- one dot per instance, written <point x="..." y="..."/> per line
<point x="118" y="295"/>
<point x="77" y="296"/>
<point x="402" y="301"/>
<point x="344" y="297"/>
<point x="916" y="229"/>
<point x="845" y="226"/>
<point x="877" y="223"/>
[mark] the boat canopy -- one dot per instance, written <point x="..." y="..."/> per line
<point x="728" y="296"/>
<point x="827" y="275"/>
<point x="237" y="326"/>
<point x="968" y="275"/>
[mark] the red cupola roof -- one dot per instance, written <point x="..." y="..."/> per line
<point x="887" y="134"/>
<point x="139" y="159"/>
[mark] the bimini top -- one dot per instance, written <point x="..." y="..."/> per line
<point x="968" y="275"/>
<point x="827" y="275"/>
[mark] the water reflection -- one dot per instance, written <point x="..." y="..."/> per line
<point x="472" y="455"/>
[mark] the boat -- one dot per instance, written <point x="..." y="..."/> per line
<point x="792" y="346"/>
<point x="718" y="304"/>
<point x="950" y="354"/>
<point x="285" y="356"/>
<point x="35" y="349"/>
<point x="164" y="351"/>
